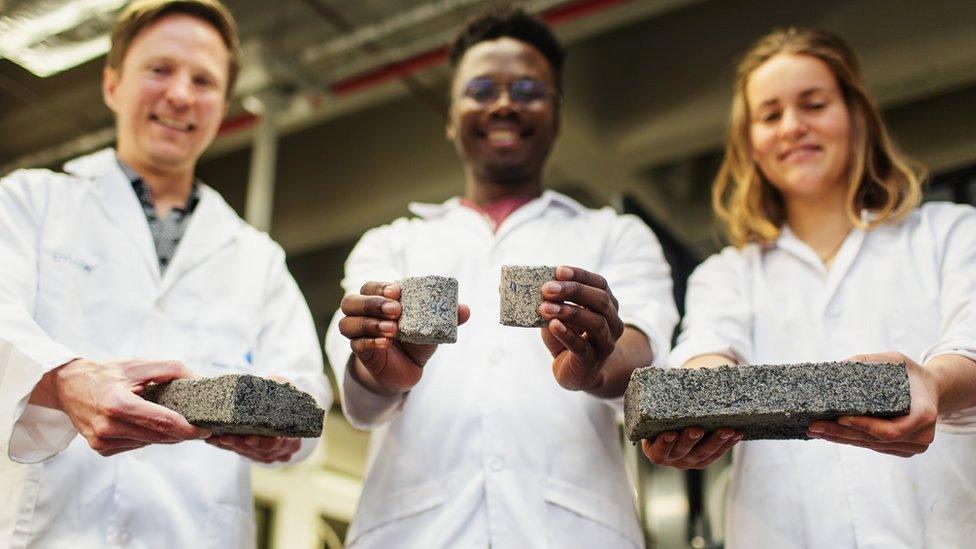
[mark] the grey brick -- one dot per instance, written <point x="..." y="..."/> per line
<point x="429" y="309"/>
<point x="241" y="404"/>
<point x="762" y="401"/>
<point x="521" y="294"/>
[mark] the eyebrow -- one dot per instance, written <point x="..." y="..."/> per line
<point x="803" y="95"/>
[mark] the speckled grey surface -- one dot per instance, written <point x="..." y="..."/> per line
<point x="241" y="404"/>
<point x="429" y="305"/>
<point x="762" y="401"/>
<point x="521" y="294"/>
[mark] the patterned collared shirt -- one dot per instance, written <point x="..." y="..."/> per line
<point x="168" y="231"/>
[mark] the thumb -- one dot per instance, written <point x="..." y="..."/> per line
<point x="157" y="371"/>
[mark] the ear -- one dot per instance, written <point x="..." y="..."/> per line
<point x="110" y="82"/>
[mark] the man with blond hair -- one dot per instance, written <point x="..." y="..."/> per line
<point x="126" y="270"/>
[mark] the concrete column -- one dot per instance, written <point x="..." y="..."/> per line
<point x="259" y="203"/>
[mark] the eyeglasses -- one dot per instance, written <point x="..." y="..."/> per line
<point x="523" y="91"/>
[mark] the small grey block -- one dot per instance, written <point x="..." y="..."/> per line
<point x="429" y="309"/>
<point x="241" y="404"/>
<point x="521" y="294"/>
<point x="764" y="401"/>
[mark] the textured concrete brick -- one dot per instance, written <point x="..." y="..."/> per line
<point x="241" y="404"/>
<point x="763" y="402"/>
<point x="521" y="294"/>
<point x="429" y="305"/>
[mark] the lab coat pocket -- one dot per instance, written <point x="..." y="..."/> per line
<point x="912" y="328"/>
<point x="227" y="526"/>
<point x="383" y="520"/>
<point x="65" y="275"/>
<point x="613" y="524"/>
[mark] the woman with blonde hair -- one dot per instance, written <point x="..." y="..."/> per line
<point x="832" y="257"/>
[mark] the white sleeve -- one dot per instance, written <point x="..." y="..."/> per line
<point x="27" y="434"/>
<point x="373" y="259"/>
<point x="288" y="345"/>
<point x="956" y="230"/>
<point x="640" y="279"/>
<point x="718" y="311"/>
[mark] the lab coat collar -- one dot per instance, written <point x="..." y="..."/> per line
<point x="114" y="192"/>
<point x="547" y="198"/>
<point x="212" y="225"/>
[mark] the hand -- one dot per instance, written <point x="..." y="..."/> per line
<point x="689" y="450"/>
<point x="383" y="364"/>
<point x="102" y="402"/>
<point x="581" y="335"/>
<point x="902" y="436"/>
<point x="258" y="448"/>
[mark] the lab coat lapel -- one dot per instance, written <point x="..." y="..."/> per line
<point x="212" y="226"/>
<point x="119" y="202"/>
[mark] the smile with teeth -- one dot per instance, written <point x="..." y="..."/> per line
<point x="172" y="123"/>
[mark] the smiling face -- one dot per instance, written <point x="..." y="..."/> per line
<point x="503" y="141"/>
<point x="799" y="127"/>
<point x="169" y="96"/>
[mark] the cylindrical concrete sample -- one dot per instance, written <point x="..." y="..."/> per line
<point x="521" y="294"/>
<point x="429" y="305"/>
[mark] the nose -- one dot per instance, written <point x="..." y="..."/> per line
<point x="180" y="91"/>
<point x="792" y="124"/>
<point x="503" y="103"/>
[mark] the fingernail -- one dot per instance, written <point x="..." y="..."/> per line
<point x="725" y="436"/>
<point x="252" y="441"/>
<point x="550" y="308"/>
<point x="815" y="429"/>
<point x="560" y="327"/>
<point x="206" y="433"/>
<point x="564" y="272"/>
<point x="670" y="438"/>
<point x="552" y="287"/>
<point x="695" y="435"/>
<point x="845" y="422"/>
<point x="387" y="326"/>
<point x="390" y="307"/>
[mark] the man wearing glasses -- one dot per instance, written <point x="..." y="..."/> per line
<point x="508" y="438"/>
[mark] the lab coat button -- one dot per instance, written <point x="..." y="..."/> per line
<point x="497" y="463"/>
<point x="496" y="356"/>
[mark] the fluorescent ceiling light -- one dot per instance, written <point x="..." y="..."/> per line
<point x="50" y="36"/>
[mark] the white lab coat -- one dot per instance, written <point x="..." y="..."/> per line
<point x="487" y="449"/>
<point x="80" y="278"/>
<point x="908" y="287"/>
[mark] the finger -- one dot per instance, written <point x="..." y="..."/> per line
<point x="105" y="428"/>
<point x="597" y="301"/>
<point x="704" y="450"/>
<point x="880" y="429"/>
<point x="686" y="441"/>
<point x="593" y="280"/>
<point x="132" y="409"/>
<point x="659" y="450"/>
<point x="141" y="372"/>
<point x="901" y="449"/>
<point x="582" y="320"/>
<point x="464" y="313"/>
<point x="721" y="451"/>
<point x="122" y="448"/>
<point x="389" y="290"/>
<point x="890" y="356"/>
<point x="365" y="326"/>
<point x="574" y="342"/>
<point x="366" y="348"/>
<point x="371" y="306"/>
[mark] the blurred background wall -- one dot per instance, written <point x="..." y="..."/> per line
<point x="338" y="123"/>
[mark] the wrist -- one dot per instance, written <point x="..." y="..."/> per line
<point x="46" y="392"/>
<point x="361" y="375"/>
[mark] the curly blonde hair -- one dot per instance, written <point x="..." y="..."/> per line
<point x="882" y="179"/>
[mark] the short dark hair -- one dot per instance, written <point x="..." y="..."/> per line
<point x="514" y="23"/>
